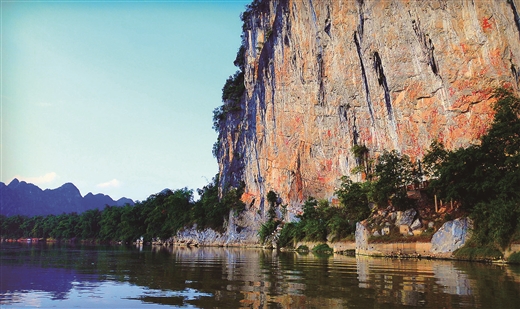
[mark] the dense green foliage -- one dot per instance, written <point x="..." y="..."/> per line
<point x="473" y="253"/>
<point x="386" y="181"/>
<point x="355" y="197"/>
<point x="386" y="184"/>
<point x="323" y="248"/>
<point x="514" y="258"/>
<point x="320" y="221"/>
<point x="159" y="216"/>
<point x="394" y="173"/>
<point x="485" y="178"/>
<point x="231" y="92"/>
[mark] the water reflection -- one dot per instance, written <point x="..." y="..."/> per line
<point x="82" y="276"/>
<point x="414" y="282"/>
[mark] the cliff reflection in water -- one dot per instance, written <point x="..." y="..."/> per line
<point x="295" y="280"/>
<point x="245" y="278"/>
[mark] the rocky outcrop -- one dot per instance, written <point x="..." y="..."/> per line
<point x="451" y="236"/>
<point x="211" y="238"/>
<point x="240" y="231"/>
<point x="362" y="235"/>
<point x="322" y="76"/>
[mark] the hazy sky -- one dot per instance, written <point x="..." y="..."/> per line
<point x="115" y="97"/>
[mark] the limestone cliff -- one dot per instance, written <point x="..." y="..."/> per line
<point x="322" y="76"/>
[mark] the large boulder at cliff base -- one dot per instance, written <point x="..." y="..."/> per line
<point x="451" y="236"/>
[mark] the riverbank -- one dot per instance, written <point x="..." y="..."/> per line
<point x="370" y="240"/>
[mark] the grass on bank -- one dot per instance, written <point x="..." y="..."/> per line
<point x="474" y="252"/>
<point x="514" y="258"/>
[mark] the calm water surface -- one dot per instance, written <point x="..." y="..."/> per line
<point x="67" y="276"/>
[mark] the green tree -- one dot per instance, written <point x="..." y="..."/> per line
<point x="89" y="224"/>
<point x="433" y="159"/>
<point x="364" y="164"/>
<point x="489" y="170"/>
<point x="110" y="220"/>
<point x="132" y="225"/>
<point x="354" y="197"/>
<point x="313" y="224"/>
<point x="68" y="226"/>
<point x="394" y="172"/>
<point x="11" y="226"/>
<point x="50" y="225"/>
<point x="207" y="211"/>
<point x="170" y="211"/>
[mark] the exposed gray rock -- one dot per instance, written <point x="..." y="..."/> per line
<point x="405" y="218"/>
<point x="362" y="235"/>
<point x="451" y="236"/>
<point x="416" y="225"/>
<point x="236" y="234"/>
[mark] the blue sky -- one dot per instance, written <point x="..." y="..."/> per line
<point x="115" y="97"/>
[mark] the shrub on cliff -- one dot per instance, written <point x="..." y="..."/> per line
<point x="267" y="229"/>
<point x="231" y="92"/>
<point x="272" y="222"/>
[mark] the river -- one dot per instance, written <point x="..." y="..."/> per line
<point x="79" y="276"/>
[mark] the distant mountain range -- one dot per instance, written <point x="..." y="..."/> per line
<point x="22" y="198"/>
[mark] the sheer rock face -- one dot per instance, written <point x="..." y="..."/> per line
<point x="322" y="76"/>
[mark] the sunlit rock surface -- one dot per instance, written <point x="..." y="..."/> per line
<point x="451" y="236"/>
<point x="322" y="76"/>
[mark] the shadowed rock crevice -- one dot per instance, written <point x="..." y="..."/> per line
<point x="321" y="90"/>
<point x="327" y="23"/>
<point x="515" y="14"/>
<point x="349" y="123"/>
<point x="381" y="79"/>
<point x="361" y="23"/>
<point x="514" y="71"/>
<point x="426" y="46"/>
<point x="364" y="76"/>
